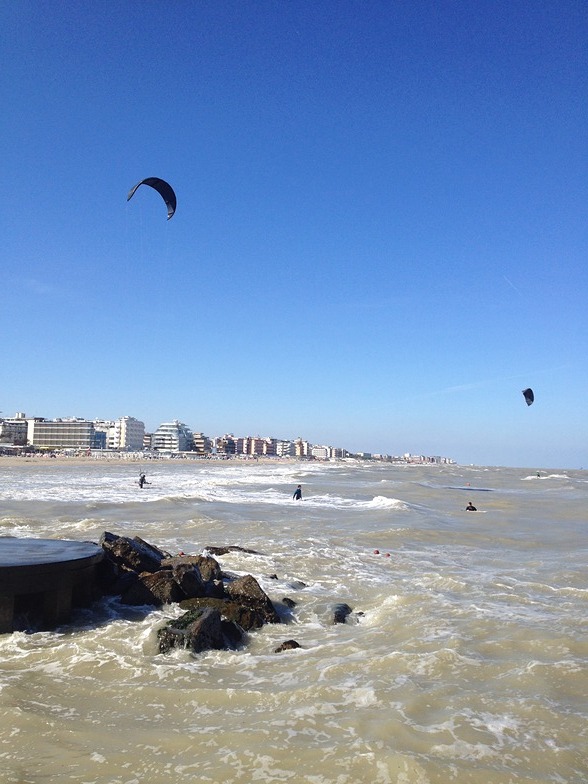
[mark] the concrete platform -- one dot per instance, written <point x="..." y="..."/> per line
<point x="41" y="579"/>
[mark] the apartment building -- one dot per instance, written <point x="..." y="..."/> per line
<point x="201" y="444"/>
<point x="61" y="433"/>
<point x="302" y="448"/>
<point x="285" y="449"/>
<point x="173" y="436"/>
<point x="225" y="445"/>
<point x="13" y="430"/>
<point x="128" y="434"/>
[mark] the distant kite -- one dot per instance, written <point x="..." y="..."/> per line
<point x="163" y="188"/>
<point x="529" y="396"/>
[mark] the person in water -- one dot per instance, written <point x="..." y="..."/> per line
<point x="298" y="493"/>
<point x="142" y="480"/>
<point x="471" y="508"/>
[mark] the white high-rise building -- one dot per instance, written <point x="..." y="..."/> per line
<point x="124" y="434"/>
<point x="285" y="449"/>
<point x="128" y="434"/>
<point x="173" y="437"/>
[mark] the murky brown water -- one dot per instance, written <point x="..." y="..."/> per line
<point x="467" y="665"/>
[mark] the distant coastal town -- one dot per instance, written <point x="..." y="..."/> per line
<point x="127" y="437"/>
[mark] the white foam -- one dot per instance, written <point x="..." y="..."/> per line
<point x="544" y="476"/>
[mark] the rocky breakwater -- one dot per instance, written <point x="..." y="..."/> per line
<point x="220" y="608"/>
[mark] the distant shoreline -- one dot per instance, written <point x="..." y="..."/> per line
<point x="13" y="460"/>
<point x="137" y="458"/>
<point x="134" y="458"/>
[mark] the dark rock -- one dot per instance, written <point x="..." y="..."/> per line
<point x="215" y="589"/>
<point x="209" y="568"/>
<point x="113" y="579"/>
<point x="297" y="585"/>
<point x="230" y="549"/>
<point x="247" y="618"/>
<point x="199" y="630"/>
<point x="288" y="645"/>
<point x="340" y="612"/>
<point x="134" y="554"/>
<point x="289" y="602"/>
<point x="189" y="579"/>
<point x="155" y="589"/>
<point x="233" y="634"/>
<point x="247" y="591"/>
<point x="272" y="577"/>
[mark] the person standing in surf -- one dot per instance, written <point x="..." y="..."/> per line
<point x="297" y="496"/>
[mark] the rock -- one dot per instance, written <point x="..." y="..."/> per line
<point x="290" y="603"/>
<point x="247" y="591"/>
<point x="189" y="579"/>
<point x="287" y="645"/>
<point x="340" y="612"/>
<point x="230" y="549"/>
<point x="198" y="630"/>
<point x="297" y="585"/>
<point x="155" y="589"/>
<point x="209" y="568"/>
<point x="113" y="579"/>
<point x="247" y="618"/>
<point x="134" y="554"/>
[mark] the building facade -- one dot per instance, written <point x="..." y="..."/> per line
<point x="202" y="445"/>
<point x="13" y="430"/>
<point x="128" y="434"/>
<point x="61" y="433"/>
<point x="173" y="437"/>
<point x="285" y="449"/>
<point x="225" y="445"/>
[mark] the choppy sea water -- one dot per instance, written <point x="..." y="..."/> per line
<point x="467" y="665"/>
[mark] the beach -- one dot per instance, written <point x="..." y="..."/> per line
<point x="464" y="658"/>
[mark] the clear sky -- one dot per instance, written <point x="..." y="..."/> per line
<point x="380" y="237"/>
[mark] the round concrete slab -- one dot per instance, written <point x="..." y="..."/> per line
<point x="16" y="552"/>
<point x="44" y="577"/>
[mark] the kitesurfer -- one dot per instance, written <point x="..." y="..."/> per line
<point x="143" y="480"/>
<point x="298" y="493"/>
<point x="471" y="508"/>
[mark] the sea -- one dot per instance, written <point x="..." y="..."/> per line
<point x="463" y="660"/>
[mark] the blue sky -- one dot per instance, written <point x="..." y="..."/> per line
<point x="380" y="237"/>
